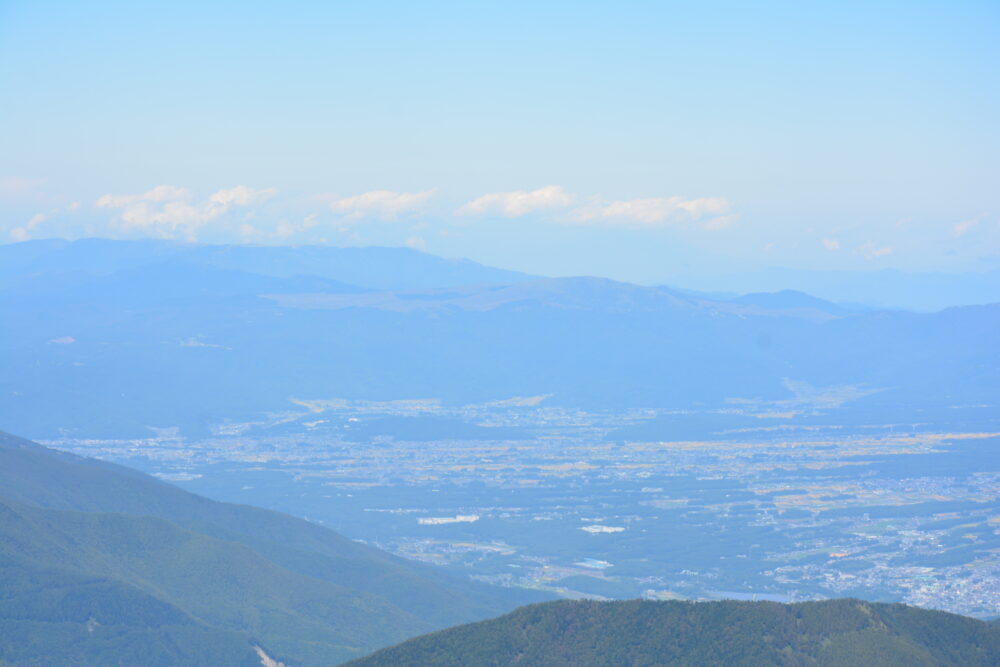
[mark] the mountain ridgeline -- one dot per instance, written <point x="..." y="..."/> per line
<point x="833" y="633"/>
<point x="101" y="564"/>
<point x="139" y="334"/>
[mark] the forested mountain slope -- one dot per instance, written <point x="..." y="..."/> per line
<point x="100" y="556"/>
<point x="834" y="633"/>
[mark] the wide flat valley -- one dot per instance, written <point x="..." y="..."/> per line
<point x="785" y="501"/>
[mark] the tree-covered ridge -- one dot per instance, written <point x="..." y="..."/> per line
<point x="844" y="632"/>
<point x="100" y="564"/>
<point x="55" y="616"/>
<point x="222" y="584"/>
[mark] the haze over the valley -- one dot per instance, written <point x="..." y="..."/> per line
<point x="584" y="333"/>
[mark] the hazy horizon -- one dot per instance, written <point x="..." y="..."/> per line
<point x="328" y="325"/>
<point x="872" y="288"/>
<point x="640" y="142"/>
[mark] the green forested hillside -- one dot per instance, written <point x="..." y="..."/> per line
<point x="100" y="562"/>
<point x="54" y="616"/>
<point x="847" y="633"/>
<point x="225" y="584"/>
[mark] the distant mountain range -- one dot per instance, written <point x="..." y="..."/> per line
<point x="790" y="300"/>
<point x="834" y="633"/>
<point x="374" y="268"/>
<point x="885" y="288"/>
<point x="101" y="565"/>
<point x="108" y="337"/>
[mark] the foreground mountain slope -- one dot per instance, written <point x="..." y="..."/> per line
<point x="36" y="475"/>
<point x="305" y="591"/>
<point x="585" y="633"/>
<point x="52" y="615"/>
<point x="224" y="584"/>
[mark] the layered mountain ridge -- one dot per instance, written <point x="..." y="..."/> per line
<point x="141" y="334"/>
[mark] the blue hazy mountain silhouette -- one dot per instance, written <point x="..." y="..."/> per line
<point x="136" y="334"/>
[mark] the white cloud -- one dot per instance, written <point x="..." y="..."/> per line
<point x="168" y="211"/>
<point x="284" y="230"/>
<point x="519" y="202"/>
<point x="966" y="226"/>
<point x="831" y="244"/>
<point x="241" y="195"/>
<point x="416" y="243"/>
<point x="23" y="233"/>
<point x="710" y="212"/>
<point x="870" y="250"/>
<point x="382" y="204"/>
<point x="19" y="234"/>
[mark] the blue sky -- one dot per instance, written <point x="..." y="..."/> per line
<point x="638" y="140"/>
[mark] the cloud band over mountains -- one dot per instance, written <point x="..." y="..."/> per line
<point x="174" y="212"/>
<point x="708" y="212"/>
<point x="168" y="211"/>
